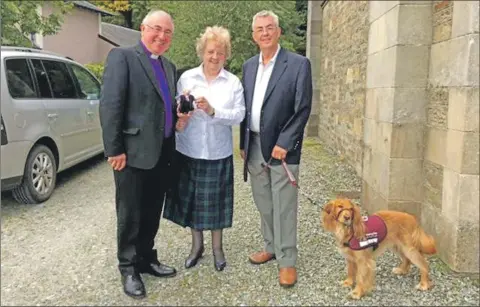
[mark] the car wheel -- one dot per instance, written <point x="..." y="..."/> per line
<point x="39" y="177"/>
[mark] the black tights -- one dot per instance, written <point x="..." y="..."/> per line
<point x="217" y="247"/>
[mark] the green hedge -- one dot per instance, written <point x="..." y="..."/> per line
<point x="96" y="69"/>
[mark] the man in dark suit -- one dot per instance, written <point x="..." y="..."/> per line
<point x="137" y="114"/>
<point x="278" y="96"/>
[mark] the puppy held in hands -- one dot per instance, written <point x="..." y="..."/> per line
<point x="362" y="239"/>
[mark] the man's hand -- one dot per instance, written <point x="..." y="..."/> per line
<point x="279" y="153"/>
<point x="242" y="154"/>
<point x="118" y="162"/>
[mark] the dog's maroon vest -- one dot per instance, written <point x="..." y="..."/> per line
<point x="376" y="231"/>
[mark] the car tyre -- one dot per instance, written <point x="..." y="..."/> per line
<point x="39" y="178"/>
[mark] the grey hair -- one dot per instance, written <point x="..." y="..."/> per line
<point x="265" y="13"/>
<point x="156" y="12"/>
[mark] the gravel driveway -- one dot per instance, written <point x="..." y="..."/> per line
<point x="63" y="252"/>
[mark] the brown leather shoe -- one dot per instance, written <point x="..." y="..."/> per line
<point x="288" y="277"/>
<point x="261" y="257"/>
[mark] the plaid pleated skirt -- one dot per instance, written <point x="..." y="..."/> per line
<point x="203" y="197"/>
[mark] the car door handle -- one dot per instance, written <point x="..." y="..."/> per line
<point x="52" y="115"/>
<point x="90" y="113"/>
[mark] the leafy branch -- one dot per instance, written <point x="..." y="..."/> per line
<point x="21" y="19"/>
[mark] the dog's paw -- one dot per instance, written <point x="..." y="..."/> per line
<point x="424" y="285"/>
<point x="347" y="283"/>
<point x="399" y="271"/>
<point x="356" y="294"/>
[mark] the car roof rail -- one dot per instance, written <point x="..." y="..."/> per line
<point x="32" y="50"/>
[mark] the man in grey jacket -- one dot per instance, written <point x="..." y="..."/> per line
<point x="278" y="97"/>
<point x="137" y="114"/>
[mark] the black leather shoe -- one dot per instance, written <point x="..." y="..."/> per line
<point x="192" y="261"/>
<point x="133" y="286"/>
<point x="157" y="269"/>
<point x="150" y="265"/>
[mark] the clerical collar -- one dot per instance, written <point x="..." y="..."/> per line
<point x="151" y="55"/>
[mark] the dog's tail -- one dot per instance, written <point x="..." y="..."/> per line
<point x="424" y="243"/>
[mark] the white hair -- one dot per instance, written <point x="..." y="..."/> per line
<point x="217" y="34"/>
<point x="265" y="13"/>
<point x="155" y="13"/>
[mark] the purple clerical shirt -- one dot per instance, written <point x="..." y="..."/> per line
<point x="163" y="84"/>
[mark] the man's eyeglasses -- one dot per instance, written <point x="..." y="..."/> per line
<point x="159" y="30"/>
<point x="268" y="29"/>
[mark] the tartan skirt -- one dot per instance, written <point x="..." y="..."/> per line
<point x="203" y="197"/>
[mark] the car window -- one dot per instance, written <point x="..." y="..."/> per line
<point x="89" y="87"/>
<point x="60" y="79"/>
<point x="41" y="74"/>
<point x="19" y="79"/>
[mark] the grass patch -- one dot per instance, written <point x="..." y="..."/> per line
<point x="440" y="266"/>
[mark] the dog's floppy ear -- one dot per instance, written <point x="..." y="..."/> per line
<point x="328" y="207"/>
<point x="327" y="219"/>
<point x="358" y="225"/>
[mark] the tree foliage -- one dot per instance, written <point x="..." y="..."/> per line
<point x="20" y="19"/>
<point x="192" y="17"/>
<point x="114" y="5"/>
<point x="123" y="7"/>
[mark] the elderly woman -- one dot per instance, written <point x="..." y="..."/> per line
<point x="204" y="196"/>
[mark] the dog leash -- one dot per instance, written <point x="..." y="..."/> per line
<point x="292" y="181"/>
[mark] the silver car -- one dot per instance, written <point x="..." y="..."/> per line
<point x="50" y="121"/>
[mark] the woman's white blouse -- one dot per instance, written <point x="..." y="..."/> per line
<point x="207" y="137"/>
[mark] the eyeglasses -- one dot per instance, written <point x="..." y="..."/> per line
<point x="158" y="30"/>
<point x="268" y="29"/>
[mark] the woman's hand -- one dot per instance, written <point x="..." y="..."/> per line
<point x="203" y="104"/>
<point x="181" y="125"/>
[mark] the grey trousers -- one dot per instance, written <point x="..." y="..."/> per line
<point x="277" y="202"/>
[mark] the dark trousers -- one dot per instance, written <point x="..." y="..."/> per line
<point x="139" y="200"/>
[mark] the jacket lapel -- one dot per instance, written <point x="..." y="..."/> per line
<point x="147" y="66"/>
<point x="250" y="82"/>
<point x="278" y="70"/>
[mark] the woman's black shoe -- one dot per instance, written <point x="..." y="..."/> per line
<point x="220" y="264"/>
<point x="192" y="261"/>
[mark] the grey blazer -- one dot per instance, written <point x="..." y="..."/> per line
<point x="286" y="106"/>
<point x="131" y="106"/>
